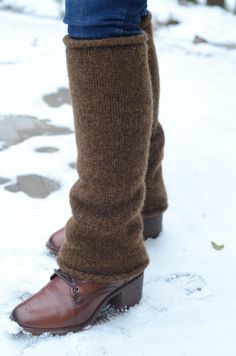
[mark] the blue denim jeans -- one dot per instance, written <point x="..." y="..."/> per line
<point x="93" y="19"/>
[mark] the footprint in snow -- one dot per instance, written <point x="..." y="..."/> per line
<point x="175" y="289"/>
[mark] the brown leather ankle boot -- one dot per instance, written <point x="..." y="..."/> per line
<point x="156" y="198"/>
<point x="68" y="305"/>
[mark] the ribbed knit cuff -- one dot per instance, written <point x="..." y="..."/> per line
<point x="106" y="42"/>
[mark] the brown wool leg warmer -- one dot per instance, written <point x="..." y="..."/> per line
<point x="156" y="197"/>
<point x="112" y="103"/>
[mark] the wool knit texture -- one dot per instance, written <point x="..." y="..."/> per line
<point x="112" y="102"/>
<point x="156" y="196"/>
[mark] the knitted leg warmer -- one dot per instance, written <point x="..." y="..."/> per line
<point x="156" y="197"/>
<point x="112" y="102"/>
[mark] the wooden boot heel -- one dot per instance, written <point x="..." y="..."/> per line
<point x="130" y="294"/>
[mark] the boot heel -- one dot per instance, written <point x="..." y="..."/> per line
<point x="130" y="295"/>
<point x="152" y="227"/>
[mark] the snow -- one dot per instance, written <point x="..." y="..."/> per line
<point x="51" y="8"/>
<point x="188" y="306"/>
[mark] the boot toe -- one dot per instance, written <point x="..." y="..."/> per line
<point x="52" y="246"/>
<point x="23" y="316"/>
<point x="56" y="241"/>
<point x="47" y="309"/>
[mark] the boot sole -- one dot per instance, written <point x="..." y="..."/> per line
<point x="122" y="299"/>
<point x="52" y="251"/>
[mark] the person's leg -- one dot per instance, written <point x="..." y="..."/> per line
<point x="104" y="257"/>
<point x="156" y="197"/>
<point x="113" y="119"/>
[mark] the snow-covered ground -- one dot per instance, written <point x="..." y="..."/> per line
<point x="189" y="302"/>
